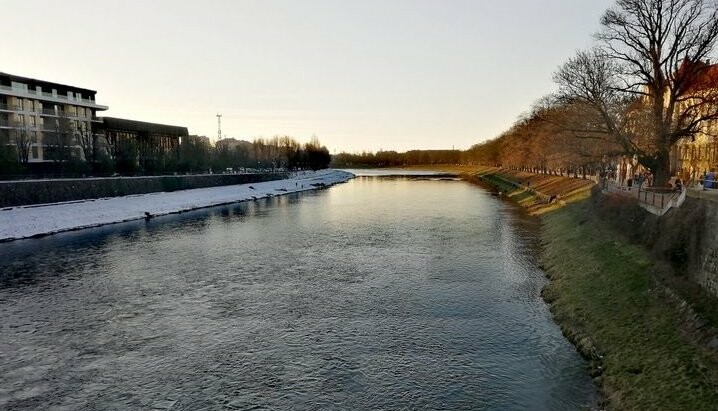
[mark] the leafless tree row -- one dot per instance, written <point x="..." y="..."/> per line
<point x="646" y="84"/>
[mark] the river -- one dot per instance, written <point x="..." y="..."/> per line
<point x="409" y="292"/>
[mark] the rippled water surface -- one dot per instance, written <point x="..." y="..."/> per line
<point x="382" y="293"/>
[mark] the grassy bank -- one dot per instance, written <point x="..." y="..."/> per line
<point x="537" y="193"/>
<point x="606" y="300"/>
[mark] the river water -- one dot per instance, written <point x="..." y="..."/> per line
<point x="382" y="293"/>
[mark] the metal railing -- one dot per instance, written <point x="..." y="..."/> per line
<point x="47" y="112"/>
<point x="52" y="112"/>
<point x="655" y="199"/>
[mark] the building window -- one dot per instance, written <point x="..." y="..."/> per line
<point x="33" y="121"/>
<point x="19" y="104"/>
<point x="35" y="154"/>
<point x="21" y="119"/>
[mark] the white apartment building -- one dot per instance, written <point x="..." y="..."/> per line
<point x="37" y="111"/>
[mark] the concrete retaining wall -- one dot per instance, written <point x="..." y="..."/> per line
<point x="17" y="193"/>
<point x="686" y="237"/>
<point x="706" y="272"/>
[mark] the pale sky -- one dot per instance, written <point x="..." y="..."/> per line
<point x="360" y="74"/>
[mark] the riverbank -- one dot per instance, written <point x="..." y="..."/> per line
<point x="56" y="190"/>
<point x="39" y="220"/>
<point x="641" y="341"/>
<point x="649" y="335"/>
<point x="537" y="193"/>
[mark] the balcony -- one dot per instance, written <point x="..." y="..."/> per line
<point x="48" y="112"/>
<point x="34" y="94"/>
<point x="51" y="113"/>
<point x="15" y="125"/>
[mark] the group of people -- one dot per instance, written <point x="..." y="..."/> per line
<point x="638" y="179"/>
<point x="628" y="173"/>
<point x="708" y="180"/>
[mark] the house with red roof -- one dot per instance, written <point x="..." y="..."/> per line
<point x="694" y="155"/>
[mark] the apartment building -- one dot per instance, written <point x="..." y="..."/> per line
<point x="45" y="118"/>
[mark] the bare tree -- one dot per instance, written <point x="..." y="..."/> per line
<point x="61" y="140"/>
<point x="647" y="84"/>
<point x="23" y="143"/>
<point x="87" y="142"/>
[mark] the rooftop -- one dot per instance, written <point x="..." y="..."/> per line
<point x="702" y="75"/>
<point x="42" y="83"/>
<point x="114" y="123"/>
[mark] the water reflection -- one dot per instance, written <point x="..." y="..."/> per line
<point x="379" y="293"/>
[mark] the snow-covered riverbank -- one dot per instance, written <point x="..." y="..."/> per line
<point x="36" y="220"/>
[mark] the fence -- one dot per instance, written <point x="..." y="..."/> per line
<point x="657" y="201"/>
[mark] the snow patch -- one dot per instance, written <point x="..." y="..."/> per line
<point x="43" y="219"/>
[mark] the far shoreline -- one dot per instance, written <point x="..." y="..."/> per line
<point x="34" y="221"/>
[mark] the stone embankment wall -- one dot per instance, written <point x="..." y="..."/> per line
<point x="686" y="237"/>
<point x="537" y="193"/>
<point x="707" y="273"/>
<point x="15" y="193"/>
<point x="697" y="220"/>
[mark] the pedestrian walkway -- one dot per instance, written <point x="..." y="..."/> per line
<point x="704" y="194"/>
<point x="654" y="200"/>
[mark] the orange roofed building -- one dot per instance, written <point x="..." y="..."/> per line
<point x="692" y="156"/>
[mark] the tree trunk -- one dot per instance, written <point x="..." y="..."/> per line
<point x="662" y="173"/>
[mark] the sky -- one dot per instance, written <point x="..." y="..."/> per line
<point x="360" y="75"/>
